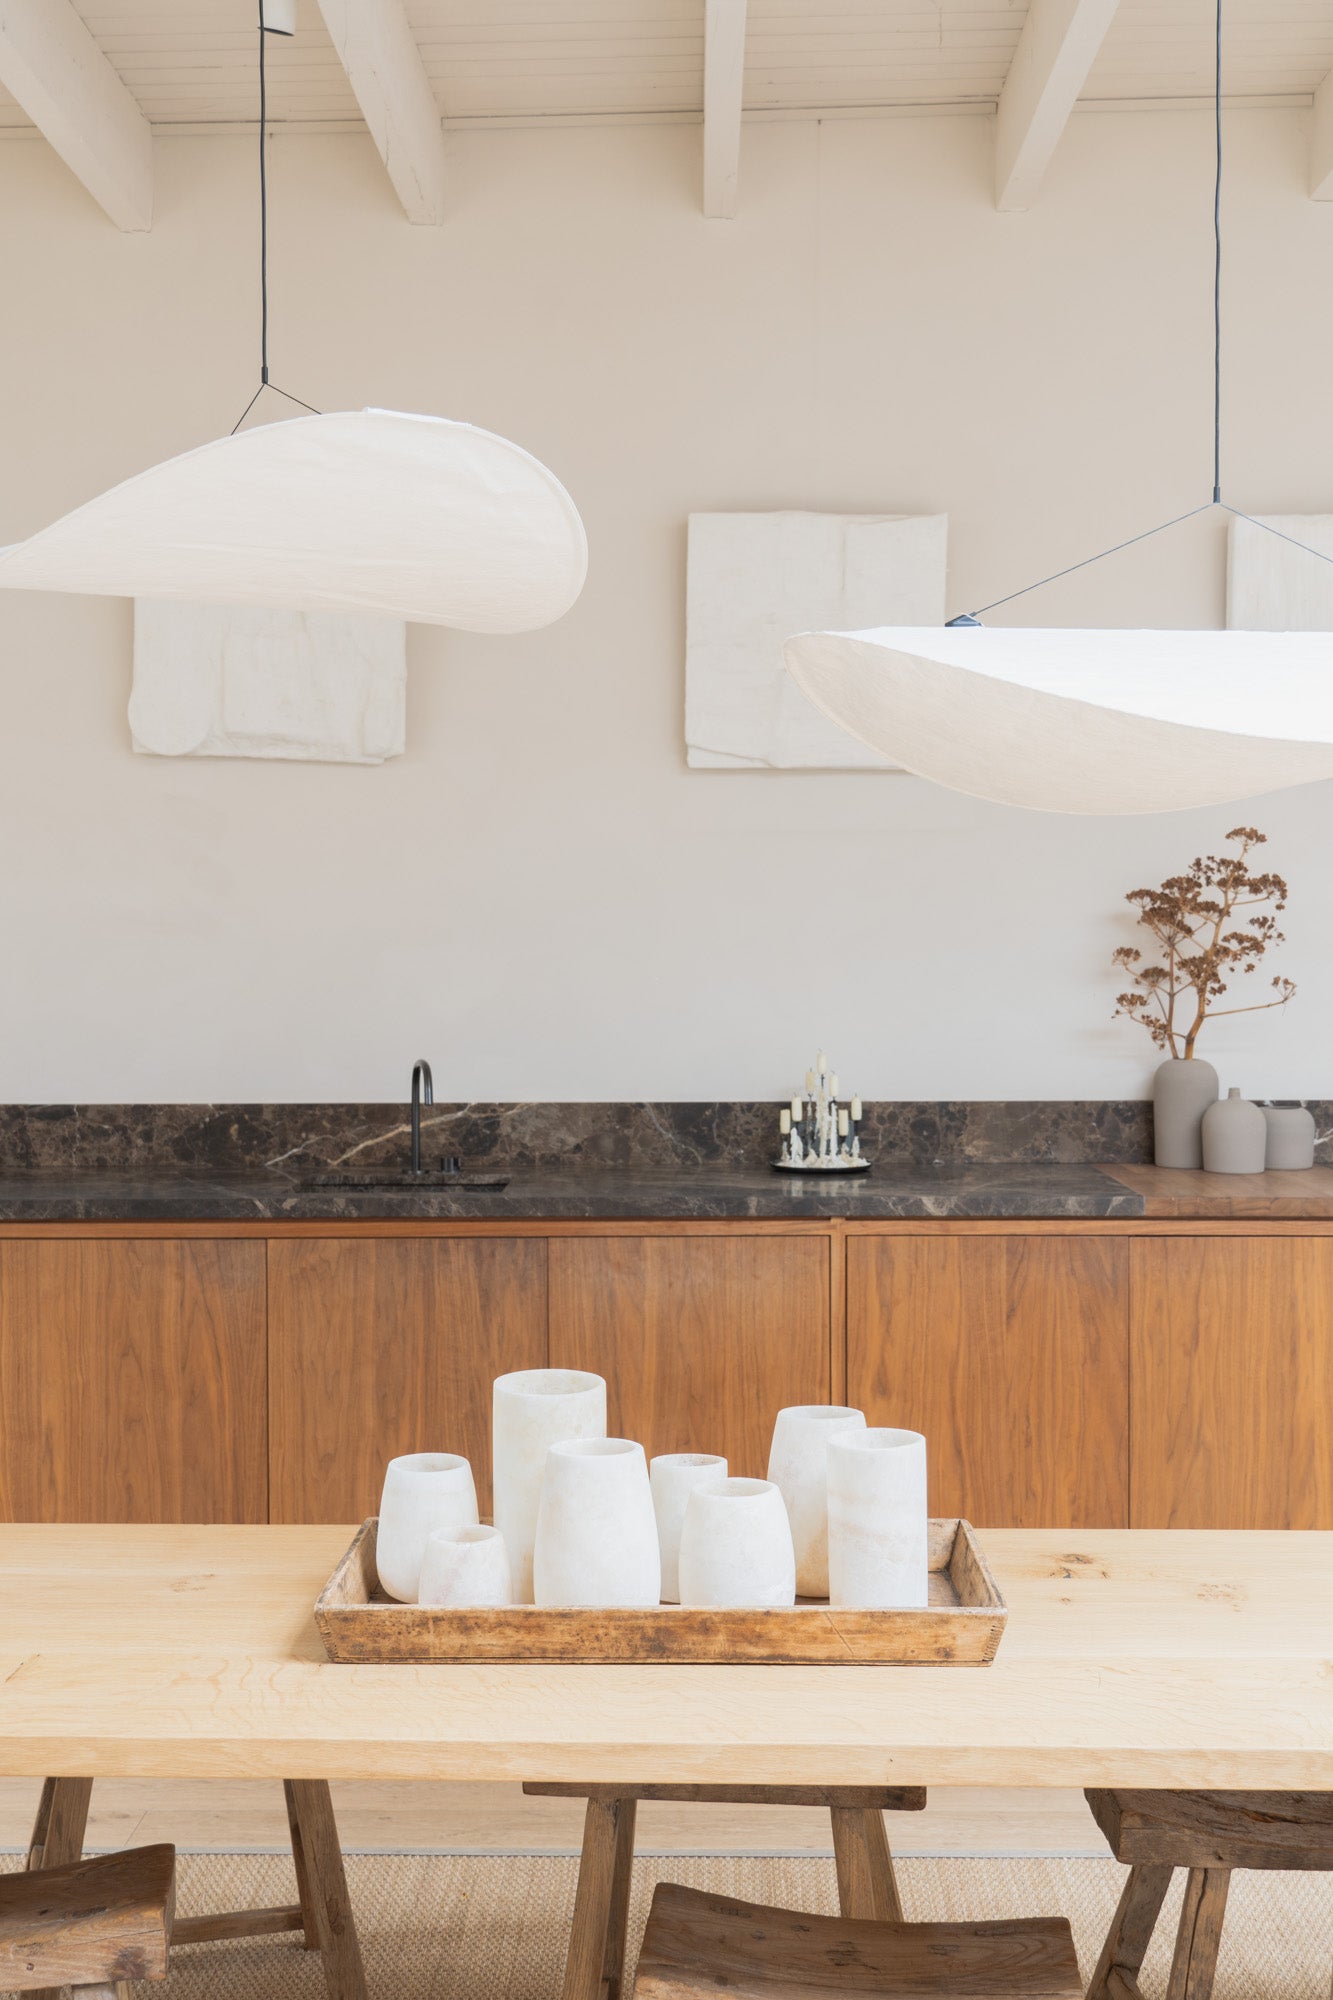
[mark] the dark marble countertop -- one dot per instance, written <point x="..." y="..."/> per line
<point x="889" y="1192"/>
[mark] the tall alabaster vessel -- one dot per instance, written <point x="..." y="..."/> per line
<point x="674" y="1476"/>
<point x="736" y="1547"/>
<point x="596" y="1530"/>
<point x="877" y="1520"/>
<point x="423" y="1491"/>
<point x="798" y="1467"/>
<point x="533" y="1409"/>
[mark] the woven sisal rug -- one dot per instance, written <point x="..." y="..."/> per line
<point x="480" y="1927"/>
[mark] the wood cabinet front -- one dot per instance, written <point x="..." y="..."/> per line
<point x="132" y="1381"/>
<point x="1232" y="1366"/>
<point x="1010" y="1352"/>
<point x="702" y="1339"/>
<point x="385" y="1345"/>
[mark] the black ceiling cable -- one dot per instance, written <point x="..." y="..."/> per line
<point x="1205" y="506"/>
<point x="264" y="382"/>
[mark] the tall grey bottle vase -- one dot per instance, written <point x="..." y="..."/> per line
<point x="1182" y="1089"/>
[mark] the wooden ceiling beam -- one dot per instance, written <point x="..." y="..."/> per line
<point x="376" y="47"/>
<point x="50" y="63"/>
<point x="1056" y="49"/>
<point x="724" y="92"/>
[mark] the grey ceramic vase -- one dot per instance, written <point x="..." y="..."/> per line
<point x="1235" y="1136"/>
<point x="1182" y="1089"/>
<point x="1290" y="1136"/>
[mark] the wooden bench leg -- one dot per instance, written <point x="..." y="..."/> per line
<point x="867" y="1886"/>
<point x="1126" y="1947"/>
<point x="595" y="1964"/>
<point x="323" y="1885"/>
<point x="1194" y="1965"/>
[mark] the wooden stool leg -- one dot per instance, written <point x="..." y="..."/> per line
<point x="309" y="1921"/>
<point x="1194" y="1965"/>
<point x="867" y="1886"/>
<point x="601" y="1901"/>
<point x="323" y="1881"/>
<point x="1126" y="1947"/>
<point x="57" y="1837"/>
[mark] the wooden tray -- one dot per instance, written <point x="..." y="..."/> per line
<point x="962" y="1626"/>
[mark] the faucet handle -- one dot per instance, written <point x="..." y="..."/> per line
<point x="450" y="1164"/>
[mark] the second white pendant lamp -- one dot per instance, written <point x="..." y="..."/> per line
<point x="1089" y="721"/>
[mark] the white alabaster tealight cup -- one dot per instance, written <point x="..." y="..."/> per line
<point x="465" y="1566"/>
<point x="674" y="1476"/>
<point x="798" y="1466"/>
<point x="533" y="1409"/>
<point x="423" y="1491"/>
<point x="736" y="1546"/>
<point x="877" y="1520"/>
<point x="596" y="1538"/>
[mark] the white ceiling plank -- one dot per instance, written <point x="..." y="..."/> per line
<point x="56" y="71"/>
<point x="1321" y="142"/>
<point x="724" y="90"/>
<point x="376" y="47"/>
<point x="1055" y="52"/>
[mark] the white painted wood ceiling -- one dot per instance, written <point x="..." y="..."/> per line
<point x="192" y="62"/>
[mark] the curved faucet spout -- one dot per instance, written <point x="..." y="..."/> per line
<point x="423" y="1092"/>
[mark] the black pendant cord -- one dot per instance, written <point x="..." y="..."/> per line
<point x="264" y="382"/>
<point x="1206" y="506"/>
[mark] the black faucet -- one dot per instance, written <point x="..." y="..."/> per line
<point x="423" y="1091"/>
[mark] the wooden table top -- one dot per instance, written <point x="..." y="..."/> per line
<point x="1305" y="1194"/>
<point x="1131" y="1658"/>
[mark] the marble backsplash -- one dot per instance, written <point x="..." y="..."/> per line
<point x="294" y="1139"/>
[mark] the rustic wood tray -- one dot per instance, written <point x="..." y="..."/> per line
<point x="962" y="1626"/>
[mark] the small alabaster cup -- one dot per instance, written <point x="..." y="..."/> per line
<point x="798" y="1465"/>
<point x="674" y="1476"/>
<point x="736" y="1546"/>
<point x="465" y="1566"/>
<point x="423" y="1491"/>
<point x="596" y="1531"/>
<point x="533" y="1409"/>
<point x="877" y="1520"/>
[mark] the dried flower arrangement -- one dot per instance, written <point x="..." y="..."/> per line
<point x="1196" y="922"/>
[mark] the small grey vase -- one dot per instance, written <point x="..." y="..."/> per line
<point x="1290" y="1136"/>
<point x="1182" y="1089"/>
<point x="1235" y="1136"/>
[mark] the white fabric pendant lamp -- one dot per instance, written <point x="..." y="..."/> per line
<point x="415" y="517"/>
<point x="359" y="510"/>
<point x="1089" y="721"/>
<point x="1082" y="721"/>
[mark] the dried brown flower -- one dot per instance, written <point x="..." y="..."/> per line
<point x="1194" y="922"/>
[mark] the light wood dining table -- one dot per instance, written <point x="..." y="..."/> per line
<point x="1131" y="1658"/>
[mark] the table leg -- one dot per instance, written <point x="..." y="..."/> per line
<point x="1194" y="1965"/>
<point x="867" y="1886"/>
<point x="595" y="1961"/>
<point x="323" y="1884"/>
<point x="1126" y="1947"/>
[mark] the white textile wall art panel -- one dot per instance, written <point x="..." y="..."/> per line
<point x="231" y="680"/>
<point x="753" y="581"/>
<point x="1273" y="587"/>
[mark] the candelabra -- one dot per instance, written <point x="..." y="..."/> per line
<point x="820" y="1134"/>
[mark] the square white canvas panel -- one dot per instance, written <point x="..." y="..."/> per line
<point x="1273" y="587"/>
<point x="240" y="680"/>
<point x="753" y="581"/>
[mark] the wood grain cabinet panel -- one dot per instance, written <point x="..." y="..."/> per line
<point x="132" y="1381"/>
<point x="1010" y="1352"/>
<point x="1232" y="1369"/>
<point x="702" y="1339"/>
<point x="386" y="1345"/>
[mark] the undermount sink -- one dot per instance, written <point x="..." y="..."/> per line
<point x="426" y="1181"/>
